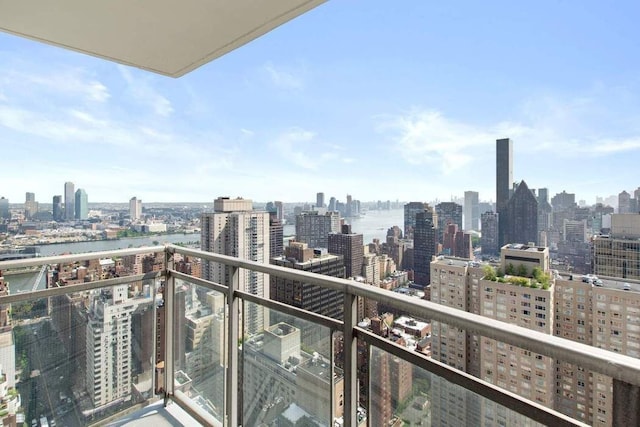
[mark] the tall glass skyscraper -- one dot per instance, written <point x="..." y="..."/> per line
<point x="504" y="181"/>
<point x="81" y="204"/>
<point x="69" y="201"/>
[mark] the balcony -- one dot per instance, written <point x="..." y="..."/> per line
<point x="187" y="351"/>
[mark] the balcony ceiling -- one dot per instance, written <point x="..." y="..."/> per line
<point x="164" y="36"/>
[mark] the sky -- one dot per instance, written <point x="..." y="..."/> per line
<point x="375" y="99"/>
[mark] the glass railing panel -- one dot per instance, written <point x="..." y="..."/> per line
<point x="406" y="394"/>
<point x="84" y="356"/>
<point x="288" y="375"/>
<point x="200" y="337"/>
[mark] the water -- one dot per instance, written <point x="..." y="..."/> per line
<point x="24" y="282"/>
<point x="373" y="225"/>
<point x="108" y="245"/>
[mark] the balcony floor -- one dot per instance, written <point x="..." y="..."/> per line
<point x="156" y="415"/>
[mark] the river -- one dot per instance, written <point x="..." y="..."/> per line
<point x="373" y="225"/>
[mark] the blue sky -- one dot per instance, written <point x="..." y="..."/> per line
<point x="375" y="99"/>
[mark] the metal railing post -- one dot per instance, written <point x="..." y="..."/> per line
<point x="350" y="361"/>
<point x="233" y="367"/>
<point x="170" y="317"/>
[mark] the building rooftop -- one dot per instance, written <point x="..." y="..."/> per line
<point x="522" y="247"/>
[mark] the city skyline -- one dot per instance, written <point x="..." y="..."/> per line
<point x="293" y="108"/>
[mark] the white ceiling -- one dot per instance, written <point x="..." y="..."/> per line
<point x="170" y="37"/>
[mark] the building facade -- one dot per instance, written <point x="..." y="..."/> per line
<point x="69" y="201"/>
<point x="351" y="247"/>
<point x="235" y="229"/>
<point x="81" y="204"/>
<point x="504" y="181"/>
<point x="313" y="227"/>
<point x="471" y="210"/>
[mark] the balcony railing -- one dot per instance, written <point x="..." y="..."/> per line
<point x="92" y="351"/>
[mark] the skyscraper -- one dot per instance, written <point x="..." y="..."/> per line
<point x="410" y="211"/>
<point x="504" y="181"/>
<point x="235" y="229"/>
<point x="424" y="245"/>
<point x="276" y="241"/>
<point x="471" y="210"/>
<point x="448" y="213"/>
<point x="351" y="247"/>
<point x="69" y="201"/>
<point x="57" y="208"/>
<point x="313" y="228"/>
<point x="135" y="208"/>
<point x="522" y="216"/>
<point x="81" y="204"/>
<point x="320" y="200"/>
<point x="30" y="205"/>
<point x="310" y="297"/>
<point x="624" y="202"/>
<point x="489" y="237"/>
<point x="4" y="208"/>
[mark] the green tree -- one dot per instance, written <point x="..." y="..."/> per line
<point x="510" y="269"/>
<point x="522" y="270"/>
<point x="489" y="273"/>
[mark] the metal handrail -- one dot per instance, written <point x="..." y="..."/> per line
<point x="617" y="366"/>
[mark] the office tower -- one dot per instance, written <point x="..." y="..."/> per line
<point x="545" y="210"/>
<point x="521" y="216"/>
<point x="349" y="207"/>
<point x="235" y="229"/>
<point x="320" y="200"/>
<point x="424" y="245"/>
<point x="624" y="202"/>
<point x="313" y="228"/>
<point x="279" y="210"/>
<point x="306" y="296"/>
<point x="618" y="253"/>
<point x="471" y="210"/>
<point x="4" y="208"/>
<point x="276" y="240"/>
<point x="448" y="213"/>
<point x="351" y="247"/>
<point x="109" y="371"/>
<point x="504" y="181"/>
<point x="489" y="236"/>
<point x="69" y="201"/>
<point x="30" y="205"/>
<point x="574" y="231"/>
<point x="135" y="209"/>
<point x="563" y="201"/>
<point x="410" y="211"/>
<point x="332" y="204"/>
<point x="81" y="204"/>
<point x="57" y="208"/>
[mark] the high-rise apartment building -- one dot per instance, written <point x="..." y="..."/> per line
<point x="563" y="201"/>
<point x="424" y="245"/>
<point x="235" y="229"/>
<point x="489" y="237"/>
<point x="320" y="200"/>
<point x="521" y="216"/>
<point x="618" y="253"/>
<point x="135" y="209"/>
<point x="81" y="204"/>
<point x="351" y="247"/>
<point x="30" y="205"/>
<point x="471" y="210"/>
<point x="57" y="208"/>
<point x="604" y="313"/>
<point x="306" y="296"/>
<point x="109" y="364"/>
<point x="276" y="236"/>
<point x="456" y="243"/>
<point x="349" y="207"/>
<point x="466" y="286"/>
<point x="624" y="202"/>
<point x="448" y="213"/>
<point x="313" y="227"/>
<point x="410" y="211"/>
<point x="69" y="201"/>
<point x="504" y="181"/>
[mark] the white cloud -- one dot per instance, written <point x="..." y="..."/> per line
<point x="145" y="94"/>
<point x="292" y="146"/>
<point x="283" y="78"/>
